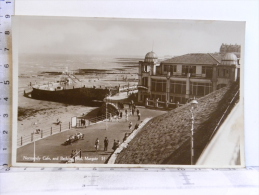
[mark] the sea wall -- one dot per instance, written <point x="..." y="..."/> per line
<point x="83" y="96"/>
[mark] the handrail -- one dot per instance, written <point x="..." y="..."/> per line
<point x="43" y="133"/>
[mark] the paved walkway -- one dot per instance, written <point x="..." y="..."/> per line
<point x="51" y="150"/>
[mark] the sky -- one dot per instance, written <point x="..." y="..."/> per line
<point x="122" y="37"/>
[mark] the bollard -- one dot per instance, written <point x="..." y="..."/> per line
<point x="69" y="125"/>
<point x="41" y="134"/>
<point x="50" y="130"/>
<point x="60" y="127"/>
<point x="21" y="141"/>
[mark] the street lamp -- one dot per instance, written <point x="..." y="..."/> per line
<point x="194" y="103"/>
<point x="106" y="111"/>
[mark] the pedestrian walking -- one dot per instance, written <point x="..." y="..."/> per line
<point x="126" y="117"/>
<point x="114" y="145"/>
<point x="133" y="111"/>
<point x="137" y="111"/>
<point x="96" y="145"/>
<point x="120" y="114"/>
<point x="139" y="116"/>
<point x="136" y="126"/>
<point x="130" y="125"/>
<point x="106" y="142"/>
<point x="110" y="117"/>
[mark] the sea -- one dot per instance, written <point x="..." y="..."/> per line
<point x="33" y="64"/>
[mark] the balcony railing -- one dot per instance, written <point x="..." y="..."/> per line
<point x="161" y="104"/>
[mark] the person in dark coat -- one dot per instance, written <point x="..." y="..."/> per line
<point x="114" y="145"/>
<point x="106" y="142"/>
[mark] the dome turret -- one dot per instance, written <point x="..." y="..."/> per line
<point x="229" y="59"/>
<point x="151" y="57"/>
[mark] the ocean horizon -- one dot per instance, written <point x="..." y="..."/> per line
<point x="31" y="64"/>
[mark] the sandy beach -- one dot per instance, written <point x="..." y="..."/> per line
<point x="39" y="114"/>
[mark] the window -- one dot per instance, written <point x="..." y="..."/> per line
<point x="200" y="89"/>
<point x="188" y="69"/>
<point x="166" y="68"/>
<point x="223" y="73"/>
<point x="193" y="69"/>
<point x="226" y="73"/>
<point x="178" y="87"/>
<point x="145" y="81"/>
<point x="203" y="70"/>
<point x="173" y="69"/>
<point x="207" y="71"/>
<point x="184" y="70"/>
<point x="158" y="85"/>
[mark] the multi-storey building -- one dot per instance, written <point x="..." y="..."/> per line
<point x="176" y="80"/>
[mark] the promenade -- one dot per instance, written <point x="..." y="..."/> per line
<point x="52" y="150"/>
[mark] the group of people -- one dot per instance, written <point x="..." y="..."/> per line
<point x="116" y="144"/>
<point x="106" y="143"/>
<point x="97" y="142"/>
<point x="131" y="125"/>
<point x="82" y="122"/>
<point x="128" y="113"/>
<point x="74" y="138"/>
<point x="131" y="112"/>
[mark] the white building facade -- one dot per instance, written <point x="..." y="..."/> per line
<point x="176" y="80"/>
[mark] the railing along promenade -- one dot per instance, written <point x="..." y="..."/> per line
<point x="40" y="133"/>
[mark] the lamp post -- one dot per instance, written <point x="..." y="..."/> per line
<point x="106" y="112"/>
<point x="34" y="156"/>
<point x="194" y="102"/>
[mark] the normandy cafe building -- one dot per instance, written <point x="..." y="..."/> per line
<point x="175" y="81"/>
